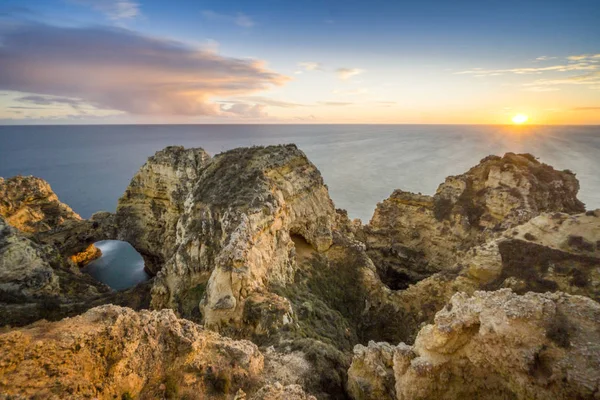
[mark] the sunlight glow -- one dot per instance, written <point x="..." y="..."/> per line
<point x="520" y="119"/>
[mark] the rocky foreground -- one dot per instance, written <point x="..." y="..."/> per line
<point x="261" y="289"/>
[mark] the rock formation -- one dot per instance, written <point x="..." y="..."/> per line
<point x="29" y="204"/>
<point x="493" y="345"/>
<point x="412" y="236"/>
<point x="234" y="234"/>
<point x="112" y="352"/>
<point x="148" y="212"/>
<point x="248" y="243"/>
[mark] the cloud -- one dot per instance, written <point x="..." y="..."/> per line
<point x="245" y="110"/>
<point x="590" y="79"/>
<point x="240" y="19"/>
<point x="586" y="109"/>
<point x="51" y="100"/>
<point x="311" y="66"/>
<point x="545" y="58"/>
<point x="270" y="102"/>
<point x="585" y="57"/>
<point x="113" y="9"/>
<point x="347" y="73"/>
<point x="524" y="71"/>
<point x="352" y="92"/>
<point x="118" y="69"/>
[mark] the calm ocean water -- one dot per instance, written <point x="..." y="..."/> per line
<point x="89" y="167"/>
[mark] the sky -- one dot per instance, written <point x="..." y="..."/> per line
<point x="309" y="61"/>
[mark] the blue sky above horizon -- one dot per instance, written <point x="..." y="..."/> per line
<point x="145" y="61"/>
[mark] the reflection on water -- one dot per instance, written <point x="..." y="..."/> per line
<point x="120" y="266"/>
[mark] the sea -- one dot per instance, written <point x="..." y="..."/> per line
<point x="89" y="166"/>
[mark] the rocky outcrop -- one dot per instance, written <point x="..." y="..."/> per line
<point x="493" y="345"/>
<point x="412" y="236"/>
<point x="36" y="282"/>
<point x="234" y="236"/>
<point x="29" y="204"/>
<point x="148" y="212"/>
<point x="551" y="252"/>
<point x="112" y="352"/>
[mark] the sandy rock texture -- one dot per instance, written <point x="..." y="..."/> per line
<point x="234" y="235"/>
<point x="492" y="345"/>
<point x="29" y="204"/>
<point x="551" y="252"/>
<point x="411" y="235"/>
<point x="110" y="352"/>
<point x="148" y="212"/>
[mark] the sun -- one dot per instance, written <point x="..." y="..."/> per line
<point x="520" y="119"/>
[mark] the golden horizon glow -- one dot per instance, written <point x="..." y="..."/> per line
<point x="520" y="119"/>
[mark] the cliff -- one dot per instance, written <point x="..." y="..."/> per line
<point x="412" y="236"/>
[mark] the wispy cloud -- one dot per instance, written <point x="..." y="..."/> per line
<point x="113" y="9"/>
<point x="311" y="66"/>
<point x="590" y="79"/>
<point x="118" y="69"/>
<point x="245" y="110"/>
<point x="586" y="109"/>
<point x="51" y="100"/>
<point x="585" y="57"/>
<point x="530" y="70"/>
<point x="239" y="19"/>
<point x="545" y="58"/>
<point x="269" y="102"/>
<point x="347" y="73"/>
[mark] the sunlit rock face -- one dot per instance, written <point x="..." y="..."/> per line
<point x="492" y="345"/>
<point x="113" y="352"/>
<point x="411" y="235"/>
<point x="148" y="212"/>
<point x="233" y="237"/>
<point x="29" y="204"/>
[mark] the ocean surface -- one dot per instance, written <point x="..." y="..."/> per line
<point x="90" y="166"/>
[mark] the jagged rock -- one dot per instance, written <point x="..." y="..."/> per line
<point x="551" y="252"/>
<point x="234" y="236"/>
<point x="493" y="345"/>
<point x="29" y="204"/>
<point x="148" y="212"/>
<point x="277" y="391"/>
<point x="111" y="351"/>
<point x="412" y="236"/>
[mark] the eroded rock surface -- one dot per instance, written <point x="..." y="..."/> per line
<point x="492" y="345"/>
<point x="148" y="212"/>
<point x="29" y="204"/>
<point x="411" y="235"/>
<point x="110" y="352"/>
<point x="234" y="235"/>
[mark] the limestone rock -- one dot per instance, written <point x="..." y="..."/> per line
<point x="493" y="345"/>
<point x="411" y="235"/>
<point x="29" y="204"/>
<point x="148" y="212"/>
<point x="234" y="235"/>
<point x="551" y="252"/>
<point x="110" y="351"/>
<point x="279" y="392"/>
